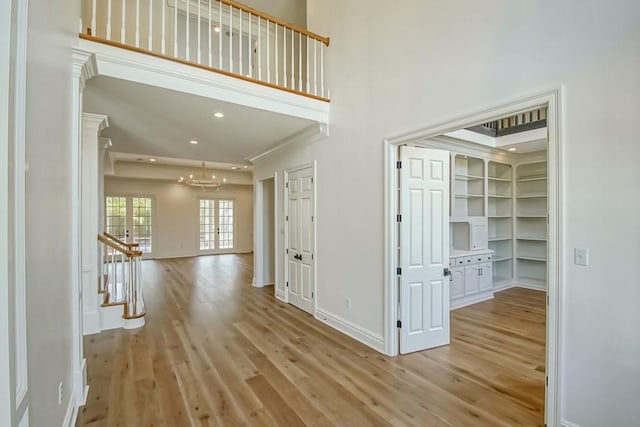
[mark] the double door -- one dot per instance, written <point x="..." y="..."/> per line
<point x="129" y="218"/>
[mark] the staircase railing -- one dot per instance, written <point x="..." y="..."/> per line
<point x="219" y="35"/>
<point x="121" y="282"/>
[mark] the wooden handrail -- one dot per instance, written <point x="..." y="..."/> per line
<point x="271" y="18"/>
<point x="121" y="242"/>
<point x="129" y="253"/>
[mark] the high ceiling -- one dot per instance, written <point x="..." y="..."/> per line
<point x="151" y="121"/>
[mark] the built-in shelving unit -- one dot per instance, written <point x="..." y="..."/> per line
<point x="531" y="223"/>
<point x="500" y="213"/>
<point x="468" y="186"/>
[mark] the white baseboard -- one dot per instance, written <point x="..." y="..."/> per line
<point x="90" y="323"/>
<point x="71" y="414"/>
<point x="111" y="317"/>
<point x="504" y="287"/>
<point x="195" y="254"/>
<point x="532" y="286"/>
<point x="565" y="423"/>
<point x="352" y="330"/>
<point x="281" y="295"/>
<point x="473" y="299"/>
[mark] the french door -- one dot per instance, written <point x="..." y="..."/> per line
<point x="129" y="218"/>
<point x="216" y="225"/>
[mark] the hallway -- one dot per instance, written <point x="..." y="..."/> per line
<point x="216" y="351"/>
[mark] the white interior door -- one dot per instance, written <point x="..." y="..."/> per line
<point x="301" y="236"/>
<point x="424" y="248"/>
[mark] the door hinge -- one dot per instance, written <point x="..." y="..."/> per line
<point x="312" y="294"/>
<point x="399" y="217"/>
<point x="311" y="218"/>
<point x="547" y="380"/>
<point x="311" y="257"/>
<point x="287" y="251"/>
<point x="286" y="185"/>
<point x="287" y="284"/>
<point x="399" y="271"/>
<point x="399" y="323"/>
<point x="286" y="218"/>
<point x="312" y="180"/>
<point x="398" y="165"/>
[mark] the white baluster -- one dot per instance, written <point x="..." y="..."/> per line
<point x="93" y="19"/>
<point x="284" y="55"/>
<point x="163" y="47"/>
<point x="322" y="69"/>
<point x="124" y="17"/>
<point x="137" y="23"/>
<point x="231" y="38"/>
<point x="259" y="49"/>
<point x="187" y="17"/>
<point x="268" y="54"/>
<point x="300" y="61"/>
<point x="293" y="62"/>
<point x="250" y="46"/>
<point x="275" y="42"/>
<point x="108" y="19"/>
<point x="199" y="35"/>
<point x="220" y="65"/>
<point x="209" y="44"/>
<point x="315" y="67"/>
<point x="151" y="24"/>
<point x="175" y="28"/>
<point x="308" y="82"/>
<point x="240" y="41"/>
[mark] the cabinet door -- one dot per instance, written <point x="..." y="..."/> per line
<point x="457" y="283"/>
<point x="471" y="279"/>
<point x="479" y="236"/>
<point x="486" y="276"/>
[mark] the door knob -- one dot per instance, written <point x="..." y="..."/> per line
<point x="298" y="257"/>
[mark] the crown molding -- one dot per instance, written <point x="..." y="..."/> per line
<point x="85" y="65"/>
<point x="94" y="122"/>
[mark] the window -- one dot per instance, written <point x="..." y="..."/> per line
<point x="216" y="224"/>
<point x="129" y="219"/>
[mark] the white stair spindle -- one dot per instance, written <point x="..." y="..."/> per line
<point x="284" y="56"/>
<point x="308" y="70"/>
<point x="231" y="38"/>
<point x="108" y="19"/>
<point x="315" y="67"/>
<point x="275" y="43"/>
<point x="137" y="23"/>
<point x="209" y="43"/>
<point x="175" y="29"/>
<point x="220" y="65"/>
<point x="300" y="61"/>
<point x="187" y="18"/>
<point x="259" y="49"/>
<point x="124" y="17"/>
<point x="151" y="24"/>
<point x="240" y="41"/>
<point x="250" y="46"/>
<point x="199" y="35"/>
<point x="322" y="69"/>
<point x="163" y="47"/>
<point x="93" y="19"/>
<point x="268" y="54"/>
<point x="293" y="58"/>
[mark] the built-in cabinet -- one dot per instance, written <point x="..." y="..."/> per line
<point x="498" y="224"/>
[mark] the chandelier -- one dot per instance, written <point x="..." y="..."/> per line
<point x="203" y="181"/>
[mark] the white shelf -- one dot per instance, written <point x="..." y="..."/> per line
<point x="506" y="258"/>
<point x="469" y="196"/>
<point x="463" y="177"/>
<point x="532" y="178"/>
<point x="499" y="216"/>
<point x="499" y="239"/>
<point x="531" y="216"/>
<point x="494" y="178"/>
<point x="530" y="258"/>
<point x="532" y="196"/>
<point x="538" y="239"/>
<point x="495" y="196"/>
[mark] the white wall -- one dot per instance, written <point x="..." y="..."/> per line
<point x="175" y="221"/>
<point x="52" y="30"/>
<point x="268" y="205"/>
<point x="451" y="59"/>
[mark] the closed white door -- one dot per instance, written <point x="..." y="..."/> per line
<point x="486" y="276"/>
<point x="424" y="248"/>
<point x="300" y="239"/>
<point x="471" y="279"/>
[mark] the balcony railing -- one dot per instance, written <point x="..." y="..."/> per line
<point x="221" y="36"/>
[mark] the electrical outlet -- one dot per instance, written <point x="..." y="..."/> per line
<point x="581" y="256"/>
<point x="348" y="302"/>
<point x="60" y="393"/>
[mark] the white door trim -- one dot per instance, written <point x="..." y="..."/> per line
<point x="314" y="168"/>
<point x="555" y="272"/>
<point x="259" y="232"/>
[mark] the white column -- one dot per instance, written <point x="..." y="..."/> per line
<point x="92" y="125"/>
<point x="84" y="67"/>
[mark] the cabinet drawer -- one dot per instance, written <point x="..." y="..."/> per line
<point x="459" y="261"/>
<point x="469" y="260"/>
<point x="488" y="257"/>
<point x="479" y="258"/>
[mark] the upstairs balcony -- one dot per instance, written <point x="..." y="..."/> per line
<point x="222" y="36"/>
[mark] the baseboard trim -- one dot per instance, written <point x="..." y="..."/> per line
<point x="71" y="414"/>
<point x="350" y="329"/>
<point x="90" y="323"/>
<point x="474" y="299"/>
<point x="532" y="286"/>
<point x="197" y="254"/>
<point x="280" y="295"/>
<point x="565" y="423"/>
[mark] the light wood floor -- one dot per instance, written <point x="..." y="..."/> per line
<point x="216" y="351"/>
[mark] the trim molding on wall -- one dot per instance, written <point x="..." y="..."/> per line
<point x="365" y="336"/>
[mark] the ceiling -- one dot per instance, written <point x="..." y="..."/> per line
<point x="150" y="121"/>
<point x="518" y="143"/>
<point x="173" y="161"/>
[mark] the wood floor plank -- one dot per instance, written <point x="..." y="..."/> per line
<point x="216" y="351"/>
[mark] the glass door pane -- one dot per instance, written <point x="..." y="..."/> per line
<point x="207" y="225"/>
<point x="141" y="220"/>
<point x="225" y="224"/>
<point x="116" y="216"/>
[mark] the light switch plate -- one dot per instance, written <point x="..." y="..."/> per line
<point x="581" y="256"/>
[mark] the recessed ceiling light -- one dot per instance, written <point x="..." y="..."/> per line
<point x="235" y="168"/>
<point x="216" y="29"/>
<point x="193" y="141"/>
<point x="213" y="177"/>
<point x="512" y="149"/>
<point x="152" y="159"/>
<point x="218" y="115"/>
<point x="245" y="166"/>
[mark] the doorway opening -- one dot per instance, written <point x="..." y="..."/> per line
<point x="473" y="209"/>
<point x="265" y="251"/>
